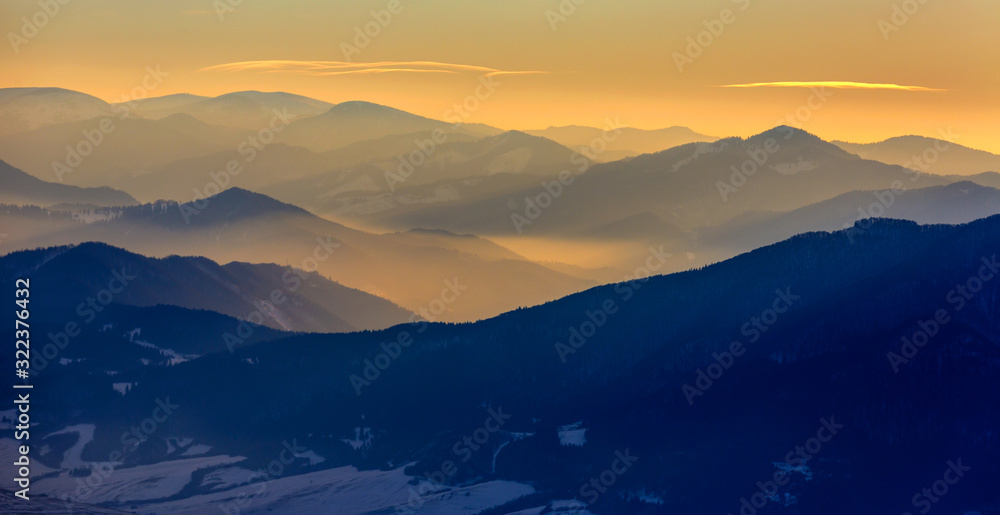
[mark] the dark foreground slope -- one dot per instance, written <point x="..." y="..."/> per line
<point x="821" y="367"/>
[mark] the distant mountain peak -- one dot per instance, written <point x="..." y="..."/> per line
<point x="243" y="195"/>
<point x="359" y="104"/>
<point x="178" y="95"/>
<point x="244" y="203"/>
<point x="363" y="108"/>
<point x="785" y="132"/>
<point x="255" y="93"/>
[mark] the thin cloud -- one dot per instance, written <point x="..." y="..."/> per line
<point x="329" y="68"/>
<point x="830" y="84"/>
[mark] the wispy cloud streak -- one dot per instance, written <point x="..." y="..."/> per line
<point x="330" y="68"/>
<point x="830" y="84"/>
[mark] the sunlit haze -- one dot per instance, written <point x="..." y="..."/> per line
<point x="596" y="61"/>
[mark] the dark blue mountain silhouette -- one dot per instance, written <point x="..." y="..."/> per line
<point x="852" y="300"/>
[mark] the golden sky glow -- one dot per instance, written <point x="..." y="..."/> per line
<point x="937" y="68"/>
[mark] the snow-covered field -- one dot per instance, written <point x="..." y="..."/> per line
<point x="129" y="485"/>
<point x="237" y="489"/>
<point x="345" y="491"/>
<point x="570" y="507"/>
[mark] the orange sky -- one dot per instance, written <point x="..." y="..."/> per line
<point x="604" y="60"/>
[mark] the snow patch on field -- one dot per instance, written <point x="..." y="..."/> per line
<point x="175" y="357"/>
<point x="133" y="484"/>
<point x="72" y="457"/>
<point x="226" y="478"/>
<point x="788" y="469"/>
<point x="314" y="459"/>
<point x="9" y="453"/>
<point x="793" y="168"/>
<point x="513" y="438"/>
<point x="196" y="450"/>
<point x="573" y="434"/>
<point x="571" y="506"/>
<point x="122" y="388"/>
<point x="362" y="438"/>
<point x="646" y="497"/>
<point x="530" y="511"/>
<point x="351" y="491"/>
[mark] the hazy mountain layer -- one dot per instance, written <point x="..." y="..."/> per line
<point x="26" y="109"/>
<point x="454" y="282"/>
<point x="927" y="155"/>
<point x="955" y="203"/>
<point x="251" y="110"/>
<point x="111" y="151"/>
<point x="624" y="141"/>
<point x="21" y="188"/>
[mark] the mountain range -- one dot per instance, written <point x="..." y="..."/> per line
<point x="266" y="303"/>
<point x="848" y="302"/>
<point x="624" y="141"/>
<point x="412" y="270"/>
